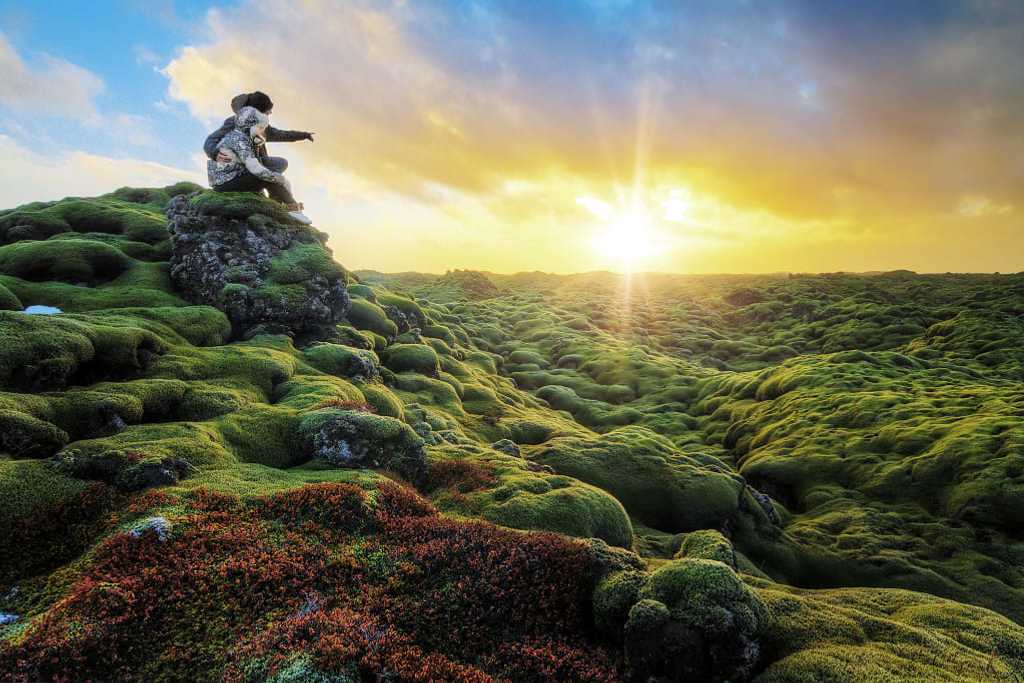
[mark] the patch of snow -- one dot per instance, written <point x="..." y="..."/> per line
<point x="43" y="310"/>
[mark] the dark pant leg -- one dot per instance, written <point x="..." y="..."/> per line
<point x="247" y="182"/>
<point x="279" y="192"/>
<point x="275" y="164"/>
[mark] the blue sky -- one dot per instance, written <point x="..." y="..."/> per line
<point x="125" y="43"/>
<point x="733" y="135"/>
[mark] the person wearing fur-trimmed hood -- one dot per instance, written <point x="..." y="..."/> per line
<point x="237" y="166"/>
<point x="263" y="103"/>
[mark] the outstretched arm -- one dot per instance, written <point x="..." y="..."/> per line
<point x="278" y="135"/>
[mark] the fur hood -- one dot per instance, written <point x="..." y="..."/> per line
<point x="248" y="117"/>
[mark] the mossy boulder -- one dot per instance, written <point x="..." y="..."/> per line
<point x="348" y="438"/>
<point x="343" y="361"/>
<point x="24" y="436"/>
<point x="67" y="260"/>
<point x="657" y="483"/>
<point x="247" y="257"/>
<point x="694" y="619"/>
<point x="708" y="544"/>
<point x="366" y="315"/>
<point x="418" y="358"/>
<point x="38" y="352"/>
<point x="554" y="503"/>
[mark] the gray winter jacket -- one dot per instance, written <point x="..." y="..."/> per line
<point x="243" y="150"/>
<point x="273" y="134"/>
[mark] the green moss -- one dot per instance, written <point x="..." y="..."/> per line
<point x="706" y="594"/>
<point x="659" y="485"/>
<point x="239" y="205"/>
<point x="879" y="412"/>
<point x="708" y="544"/>
<point x="382" y="400"/>
<point x="567" y="507"/>
<point x="303" y="262"/>
<point x="345" y="438"/>
<point x="110" y="215"/>
<point x="343" y="361"/>
<point x="37" y="351"/>
<point x="864" y="635"/>
<point x="64" y="260"/>
<point x="408" y="307"/>
<point x="417" y="358"/>
<point x="8" y="301"/>
<point x="363" y="292"/>
<point x="74" y="299"/>
<point x="350" y="336"/>
<point x="264" y="435"/>
<point x="589" y="412"/>
<point x="368" y="316"/>
<point x="613" y="599"/>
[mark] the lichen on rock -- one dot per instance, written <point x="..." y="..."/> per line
<point x="354" y="439"/>
<point x="245" y="256"/>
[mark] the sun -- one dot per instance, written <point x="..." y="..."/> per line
<point x="626" y="240"/>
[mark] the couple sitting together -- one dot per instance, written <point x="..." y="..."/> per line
<point x="238" y="153"/>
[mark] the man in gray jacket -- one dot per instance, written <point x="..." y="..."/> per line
<point x="262" y="102"/>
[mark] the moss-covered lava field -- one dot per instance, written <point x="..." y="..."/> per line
<point x="476" y="477"/>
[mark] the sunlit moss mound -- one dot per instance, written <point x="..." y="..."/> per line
<point x="659" y="485"/>
<point x="773" y="478"/>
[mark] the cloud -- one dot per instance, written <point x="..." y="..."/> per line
<point x="790" y="124"/>
<point x="27" y="176"/>
<point x="52" y="86"/>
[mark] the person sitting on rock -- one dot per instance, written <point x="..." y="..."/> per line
<point x="262" y="102"/>
<point x="237" y="166"/>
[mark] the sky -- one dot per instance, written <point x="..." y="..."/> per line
<point x="692" y="136"/>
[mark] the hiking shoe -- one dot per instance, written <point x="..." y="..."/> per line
<point x="300" y="217"/>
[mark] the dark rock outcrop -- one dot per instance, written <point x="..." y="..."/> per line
<point x="246" y="257"/>
<point x="354" y="439"/>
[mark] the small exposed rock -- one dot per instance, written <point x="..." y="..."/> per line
<point x="765" y="501"/>
<point x="123" y="469"/>
<point x="507" y="446"/>
<point x="158" y="525"/>
<point x="346" y="438"/>
<point x="7" y="618"/>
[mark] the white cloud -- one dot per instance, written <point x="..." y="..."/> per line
<point x="134" y="130"/>
<point x="54" y="86"/>
<point x="976" y="206"/>
<point x="26" y="176"/>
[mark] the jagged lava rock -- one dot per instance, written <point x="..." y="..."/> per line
<point x="244" y="255"/>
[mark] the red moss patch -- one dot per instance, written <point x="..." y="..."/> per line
<point x="462" y="476"/>
<point x="325" y="578"/>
